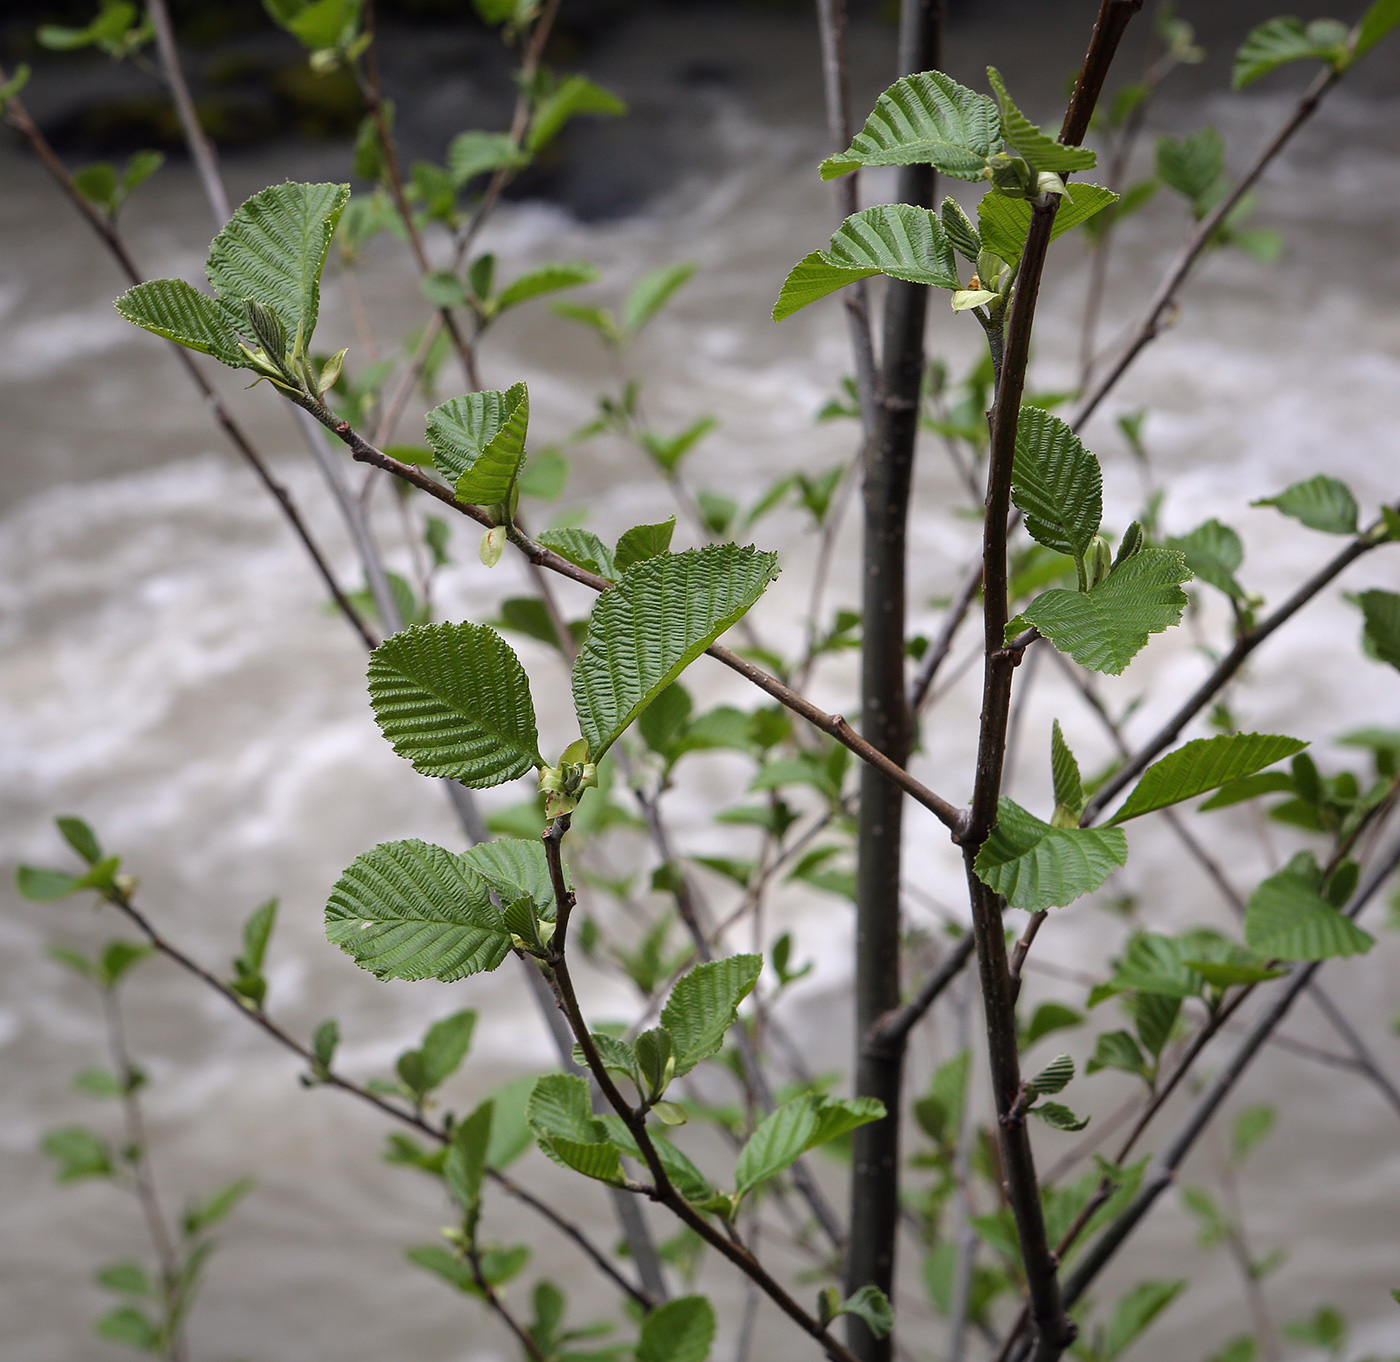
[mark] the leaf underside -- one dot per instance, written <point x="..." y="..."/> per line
<point x="653" y="624"/>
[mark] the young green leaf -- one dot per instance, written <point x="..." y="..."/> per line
<point x="39" y="885"/>
<point x="681" y="1330"/>
<point x="1041" y="152"/>
<point x="573" y="95"/>
<point x="896" y="239"/>
<point x="127" y="1279"/>
<point x="1106" y="627"/>
<point x="1058" y="1117"/>
<point x="181" y="313"/>
<point x="1036" y="866"/>
<point x="786" y="1133"/>
<point x="1320" y="503"/>
<point x="79" y="1154"/>
<point x="465" y="1165"/>
<point x="515" y="868"/>
<point x="248" y="979"/>
<point x="1214" y="553"/>
<point x="410" y="910"/>
<point x="131" y="1327"/>
<point x="474" y="153"/>
<point x="1381" y="610"/>
<point x="871" y="1305"/>
<point x="1205" y="764"/>
<point x="962" y="235"/>
<point x="651" y="293"/>
<point x="562" y="1119"/>
<point x="1288" y="919"/>
<point x="1054" y="1077"/>
<point x="453" y="700"/>
<point x="1047" y="1019"/>
<point x="1134" y="1312"/>
<point x="642" y="542"/>
<point x="653" y="624"/>
<point x="1005" y="221"/>
<point x="204" y="1215"/>
<point x="1064" y="770"/>
<point x="583" y="548"/>
<point x="442" y="1052"/>
<point x="1192" y="165"/>
<point x="546" y="279"/>
<point x="80" y="837"/>
<point x="1118" y="1050"/>
<point x="924" y="119"/>
<point x="273" y="250"/>
<point x="478" y="443"/>
<point x="1379" y="19"/>
<point x="1056" y="481"/>
<point x="704" y="1004"/>
<point x="1276" y="42"/>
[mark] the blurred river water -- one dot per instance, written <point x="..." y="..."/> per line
<point x="168" y="671"/>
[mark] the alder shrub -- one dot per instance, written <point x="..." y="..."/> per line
<point x="454" y="700"/>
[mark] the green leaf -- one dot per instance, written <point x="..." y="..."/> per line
<point x="1154" y="963"/>
<point x="515" y="868"/>
<point x="1379" y="19"/>
<point x="1040" y="151"/>
<point x="1251" y="1126"/>
<point x="1064" y="769"/>
<point x="1057" y="483"/>
<point x="1117" y="1050"/>
<point x="316" y="24"/>
<point x="669" y="450"/>
<point x="453" y="700"/>
<point x="10" y="88"/>
<point x="1288" y="919"/>
<point x="478" y="442"/>
<point x="324" y="1042"/>
<point x="562" y="1118"/>
<point x="1276" y="42"/>
<point x="662" y="721"/>
<point x="682" y="1330"/>
<point x="1321" y="503"/>
<point x="871" y="1305"/>
<point x="962" y="235"/>
<point x="97" y="183"/>
<point x="1381" y="610"/>
<point x="1251" y="787"/>
<point x="546" y="279"/>
<point x="410" y="910"/>
<point x="704" y="1004"/>
<point x="651" y="293"/>
<point x="1036" y="866"/>
<point x="474" y="153"/>
<point x="1205" y="764"/>
<point x="1058" y="1117"/>
<point x="510" y="1128"/>
<point x="257" y="932"/>
<point x="642" y="542"/>
<point x="1054" y="1077"/>
<point x="924" y="119"/>
<point x="465" y="1165"/>
<point x="572" y="96"/>
<point x="1134" y="1312"/>
<point x="1047" y="1019"/>
<point x="79" y="1153"/>
<point x="204" y="1215"/>
<point x="45" y="886"/>
<point x="442" y="1262"/>
<point x="1155" y="1016"/>
<point x="117" y="958"/>
<point x="896" y="239"/>
<point x="130" y="1326"/>
<point x="583" y="548"/>
<point x="653" y="624"/>
<point x="444" y="1048"/>
<point x="796" y="1126"/>
<point x="1192" y="165"/>
<point x="127" y="1279"/>
<point x="1106" y="627"/>
<point x="1213" y="552"/>
<point x="179" y="312"/>
<point x="273" y="250"/>
<point x="1005" y="222"/>
<point x="545" y="475"/>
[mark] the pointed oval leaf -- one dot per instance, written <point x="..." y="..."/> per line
<point x="1041" y="152"/>
<point x="454" y="701"/>
<point x="1276" y="42"/>
<point x="1056" y="482"/>
<point x="704" y="1004"/>
<point x="478" y="442"/>
<point x="896" y="239"/>
<point x="1064" y="770"/>
<point x="1035" y="866"/>
<point x="273" y="250"/>
<point x="410" y="910"/>
<point x="1191" y="165"/>
<point x="583" y="548"/>
<point x="514" y="868"/>
<point x="642" y="542"/>
<point x="653" y="624"/>
<point x="1005" y="222"/>
<point x="682" y="1330"/>
<point x="181" y="313"/>
<point x="1320" y="503"/>
<point x="924" y="119"/>
<point x="1379" y="19"/>
<point x="1106" y="627"/>
<point x="777" y="1143"/>
<point x="1213" y="553"/>
<point x="474" y="153"/>
<point x="1205" y="764"/>
<point x="1287" y="919"/>
<point x="546" y="279"/>
<point x="1381" y="610"/>
<point x="1054" y="1077"/>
